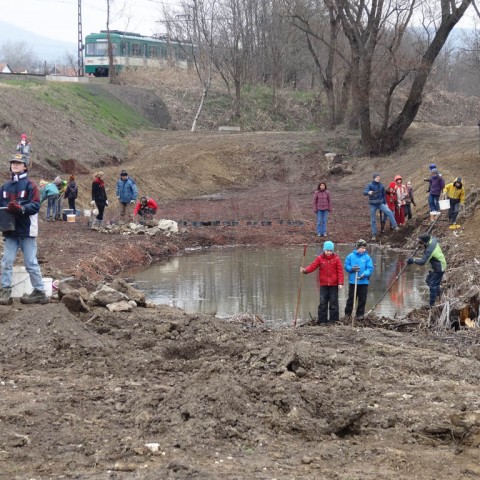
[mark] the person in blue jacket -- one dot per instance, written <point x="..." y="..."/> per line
<point x="377" y="201"/>
<point x="127" y="195"/>
<point x="21" y="198"/>
<point x="359" y="265"/>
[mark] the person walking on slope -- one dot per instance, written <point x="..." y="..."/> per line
<point x="330" y="278"/>
<point x="437" y="184"/>
<point x="359" y="265"/>
<point x="99" y="198"/>
<point x="377" y="201"/>
<point x="456" y="194"/>
<point x="433" y="254"/>
<point x="21" y="198"/>
<point x="23" y="146"/>
<point x="322" y="206"/>
<point x="126" y="194"/>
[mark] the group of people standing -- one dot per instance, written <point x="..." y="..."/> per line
<point x="359" y="266"/>
<point x="54" y="193"/>
<point x="126" y="193"/>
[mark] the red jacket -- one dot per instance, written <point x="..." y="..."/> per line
<point x="151" y="203"/>
<point x="330" y="270"/>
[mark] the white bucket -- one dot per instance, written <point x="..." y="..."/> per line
<point x="21" y="283"/>
<point x="71" y="218"/>
<point x="87" y="213"/>
<point x="444" y="204"/>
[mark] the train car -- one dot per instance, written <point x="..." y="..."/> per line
<point x="131" y="50"/>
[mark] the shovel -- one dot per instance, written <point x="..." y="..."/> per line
<point x="354" y="299"/>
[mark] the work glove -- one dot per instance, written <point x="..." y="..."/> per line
<point x="106" y="203"/>
<point x="92" y="203"/>
<point x="15" y="208"/>
<point x="409" y="261"/>
<point x="361" y="276"/>
<point x="132" y="202"/>
<point x="355" y="268"/>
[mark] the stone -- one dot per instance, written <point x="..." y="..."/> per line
<point x="168" y="225"/>
<point x="122" y="306"/>
<point x="107" y="295"/>
<point x="132" y="293"/>
<point x="74" y="302"/>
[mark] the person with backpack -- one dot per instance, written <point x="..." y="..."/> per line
<point x="127" y="195"/>
<point x="330" y="279"/>
<point x="71" y="192"/>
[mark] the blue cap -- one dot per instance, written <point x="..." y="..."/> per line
<point x="328" y="245"/>
<point x="432" y="166"/>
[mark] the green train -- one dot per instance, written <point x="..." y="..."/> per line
<point x="131" y="50"/>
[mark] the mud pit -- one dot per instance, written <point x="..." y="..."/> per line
<point x="82" y="395"/>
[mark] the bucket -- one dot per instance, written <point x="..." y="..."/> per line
<point x="87" y="213"/>
<point x="7" y="221"/>
<point x="444" y="204"/>
<point x="66" y="212"/>
<point x="21" y="283"/>
<point x="71" y="218"/>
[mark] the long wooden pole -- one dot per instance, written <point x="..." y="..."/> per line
<point x="299" y="287"/>
<point x="354" y="299"/>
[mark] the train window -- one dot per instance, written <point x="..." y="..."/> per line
<point x="123" y="49"/>
<point x="152" y="51"/>
<point x="136" y="50"/>
<point x="101" y="48"/>
<point x="90" y="49"/>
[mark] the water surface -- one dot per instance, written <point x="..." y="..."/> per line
<point x="266" y="281"/>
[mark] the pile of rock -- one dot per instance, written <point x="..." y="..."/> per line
<point x="119" y="296"/>
<point x="151" y="228"/>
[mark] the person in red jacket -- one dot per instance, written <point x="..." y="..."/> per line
<point x="330" y="277"/>
<point x="146" y="208"/>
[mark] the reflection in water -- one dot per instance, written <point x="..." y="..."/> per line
<point x="265" y="281"/>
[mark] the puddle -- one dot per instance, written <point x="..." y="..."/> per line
<point x="265" y="281"/>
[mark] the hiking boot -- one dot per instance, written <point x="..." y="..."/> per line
<point x="396" y="228"/>
<point x="6" y="296"/>
<point x="373" y="238"/>
<point x="37" y="296"/>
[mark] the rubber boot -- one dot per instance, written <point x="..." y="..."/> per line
<point x="96" y="224"/>
<point x="6" y="296"/>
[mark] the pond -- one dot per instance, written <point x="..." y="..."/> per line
<point x="265" y="281"/>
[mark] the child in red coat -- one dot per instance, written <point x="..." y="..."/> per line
<point x="330" y="277"/>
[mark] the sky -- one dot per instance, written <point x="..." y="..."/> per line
<point x="58" y="19"/>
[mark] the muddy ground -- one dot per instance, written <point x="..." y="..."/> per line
<point x="84" y="395"/>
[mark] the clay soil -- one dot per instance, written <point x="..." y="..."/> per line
<point x="84" y="395"/>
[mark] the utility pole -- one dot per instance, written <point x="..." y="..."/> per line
<point x="80" y="41"/>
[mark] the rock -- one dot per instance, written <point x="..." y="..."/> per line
<point x="132" y="293"/>
<point x="107" y="295"/>
<point x="68" y="285"/>
<point x="122" y="306"/>
<point x="168" y="225"/>
<point x="74" y="302"/>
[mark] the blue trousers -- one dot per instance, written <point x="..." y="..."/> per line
<point x="373" y="216"/>
<point x="28" y="246"/>
<point x="433" y="281"/>
<point x="433" y="203"/>
<point x="322" y="219"/>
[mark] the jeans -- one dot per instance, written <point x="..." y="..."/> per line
<point x="408" y="210"/>
<point x="454" y="209"/>
<point x="362" y="291"/>
<point x="51" y="206"/>
<point x="373" y="216"/>
<point x="433" y="203"/>
<point x="322" y="219"/>
<point x="28" y="245"/>
<point x="328" y="303"/>
<point x="58" y="214"/>
<point x="433" y="281"/>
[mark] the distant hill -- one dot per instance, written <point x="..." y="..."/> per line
<point x="46" y="49"/>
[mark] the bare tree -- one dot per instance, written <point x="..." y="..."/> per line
<point x="366" y="24"/>
<point x="18" y="55"/>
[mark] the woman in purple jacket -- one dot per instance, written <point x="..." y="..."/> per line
<point x="437" y="184"/>
<point x="322" y="206"/>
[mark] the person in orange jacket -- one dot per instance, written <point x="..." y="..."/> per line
<point x="146" y="208"/>
<point x="330" y="277"/>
